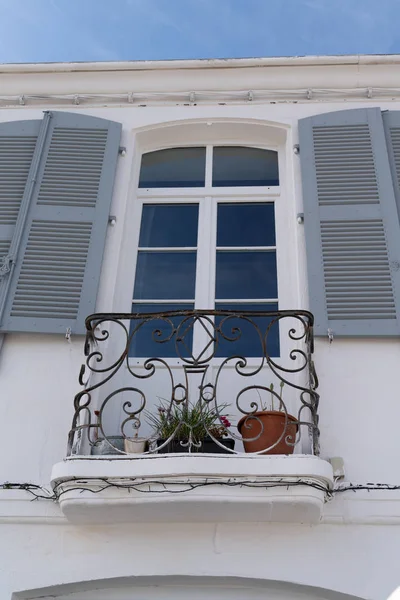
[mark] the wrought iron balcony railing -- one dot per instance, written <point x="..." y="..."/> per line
<point x="211" y="381"/>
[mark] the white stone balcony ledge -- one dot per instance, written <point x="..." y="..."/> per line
<point x="187" y="488"/>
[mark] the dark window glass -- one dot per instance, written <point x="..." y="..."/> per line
<point x="241" y="166"/>
<point x="242" y="275"/>
<point x="173" y="167"/>
<point x="144" y="344"/>
<point x="169" y="225"/>
<point x="248" y="339"/>
<point x="165" y="275"/>
<point x="247" y="224"/>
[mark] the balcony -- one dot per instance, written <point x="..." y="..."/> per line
<point x="220" y="424"/>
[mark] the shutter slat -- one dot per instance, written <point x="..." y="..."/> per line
<point x="344" y="147"/>
<point x="391" y="121"/>
<point x="72" y="153"/>
<point x="58" y="269"/>
<point x="4" y="246"/>
<point x="351" y="225"/>
<point x="53" y="257"/>
<point x="17" y="145"/>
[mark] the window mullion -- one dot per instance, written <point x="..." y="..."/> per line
<point x="212" y="251"/>
<point x="209" y="159"/>
<point x="204" y="295"/>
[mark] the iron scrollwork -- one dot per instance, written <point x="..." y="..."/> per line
<point x="197" y="378"/>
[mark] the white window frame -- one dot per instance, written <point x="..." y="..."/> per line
<point x="208" y="198"/>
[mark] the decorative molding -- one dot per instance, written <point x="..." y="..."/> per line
<point x="363" y="508"/>
<point x="16" y="507"/>
<point x="141" y="99"/>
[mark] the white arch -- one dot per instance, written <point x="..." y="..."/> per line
<point x="177" y="587"/>
<point x="247" y="132"/>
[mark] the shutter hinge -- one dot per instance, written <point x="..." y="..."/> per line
<point x="330" y="335"/>
<point x="395" y="265"/>
<point x="122" y="151"/>
<point x="5" y="265"/>
<point x="112" y="219"/>
<point x="68" y="334"/>
<point x="296" y="149"/>
<point x="300" y="218"/>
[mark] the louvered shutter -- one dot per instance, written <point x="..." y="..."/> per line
<point x="391" y="122"/>
<point x="57" y="271"/>
<point x="17" y="145"/>
<point x="351" y="224"/>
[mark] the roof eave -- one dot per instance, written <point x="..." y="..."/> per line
<point x="285" y="61"/>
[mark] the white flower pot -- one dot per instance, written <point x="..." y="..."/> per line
<point x="135" y="445"/>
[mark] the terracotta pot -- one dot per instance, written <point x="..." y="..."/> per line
<point x="269" y="426"/>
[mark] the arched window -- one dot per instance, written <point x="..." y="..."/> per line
<point x="207" y="236"/>
<point x="231" y="166"/>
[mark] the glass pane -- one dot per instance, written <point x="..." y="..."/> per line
<point x="248" y="344"/>
<point x="165" y="275"/>
<point x="249" y="224"/>
<point x="144" y="344"/>
<point x="173" y="167"/>
<point x="169" y="225"/>
<point x="237" y="165"/>
<point x="242" y="275"/>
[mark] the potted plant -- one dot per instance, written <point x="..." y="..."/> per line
<point x="117" y="444"/>
<point x="265" y="428"/>
<point x="188" y="428"/>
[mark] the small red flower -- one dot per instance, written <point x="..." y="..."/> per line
<point x="225" y="421"/>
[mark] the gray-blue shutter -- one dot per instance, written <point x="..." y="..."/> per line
<point x="17" y="145"/>
<point x="391" y="122"/>
<point x="56" y="275"/>
<point x="351" y="224"/>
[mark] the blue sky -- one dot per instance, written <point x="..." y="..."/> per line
<point x="86" y="30"/>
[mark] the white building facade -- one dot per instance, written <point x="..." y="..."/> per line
<point x="195" y="188"/>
